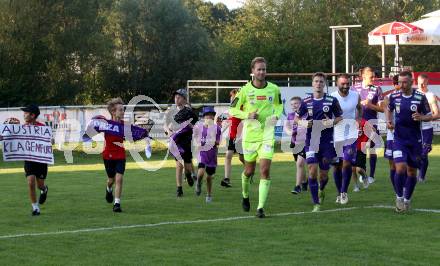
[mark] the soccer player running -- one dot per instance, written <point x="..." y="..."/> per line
<point x="179" y="126"/>
<point x="35" y="172"/>
<point x="323" y="112"/>
<point x="346" y="134"/>
<point x="261" y="107"/>
<point x="207" y="136"/>
<point x="427" y="128"/>
<point x="297" y="143"/>
<point x="114" y="156"/>
<point x="232" y="145"/>
<point x="371" y="97"/>
<point x="409" y="108"/>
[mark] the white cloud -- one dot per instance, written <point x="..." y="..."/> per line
<point x="231" y="4"/>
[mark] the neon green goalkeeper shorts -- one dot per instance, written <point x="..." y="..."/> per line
<point x="261" y="150"/>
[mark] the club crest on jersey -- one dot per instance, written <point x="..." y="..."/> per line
<point x="370" y="96"/>
<point x="413" y="107"/>
<point x="326" y="108"/>
<point x="270" y="99"/>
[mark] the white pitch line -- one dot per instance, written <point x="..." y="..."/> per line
<point x="99" y="229"/>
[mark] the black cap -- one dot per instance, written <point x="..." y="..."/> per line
<point x="31" y="108"/>
<point x="182" y="92"/>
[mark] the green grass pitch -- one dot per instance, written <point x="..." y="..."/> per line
<point x="156" y="228"/>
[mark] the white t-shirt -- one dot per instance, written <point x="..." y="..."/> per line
<point x="431" y="99"/>
<point x="347" y="128"/>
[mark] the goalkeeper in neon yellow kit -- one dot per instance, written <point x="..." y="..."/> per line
<point x="259" y="104"/>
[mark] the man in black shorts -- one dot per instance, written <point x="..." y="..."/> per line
<point x="35" y="172"/>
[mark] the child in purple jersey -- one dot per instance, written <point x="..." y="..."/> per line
<point x="207" y="136"/>
<point x="323" y="112"/>
<point x="410" y="108"/>
<point x="298" y="137"/>
<point x="371" y="98"/>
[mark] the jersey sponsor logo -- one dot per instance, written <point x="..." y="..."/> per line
<point x="326" y="108"/>
<point x="310" y="111"/>
<point x="398" y="108"/>
<point x="310" y="154"/>
<point x="416" y="102"/>
<point x="328" y="103"/>
<point x="413" y="107"/>
<point x="388" y="152"/>
<point x="418" y="97"/>
<point x="397" y="154"/>
<point x="261" y="98"/>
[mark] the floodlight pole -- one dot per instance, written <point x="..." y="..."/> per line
<point x="345" y="28"/>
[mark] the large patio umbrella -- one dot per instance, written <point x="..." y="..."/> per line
<point x="394" y="28"/>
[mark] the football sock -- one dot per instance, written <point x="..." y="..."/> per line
<point x="392" y="174"/>
<point x="346" y="178"/>
<point x="373" y="160"/>
<point x="337" y="176"/>
<point x="399" y="182"/>
<point x="410" y="185"/>
<point x="263" y="191"/>
<point x="245" y="183"/>
<point x="313" y="185"/>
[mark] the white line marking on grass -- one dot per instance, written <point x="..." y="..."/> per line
<point x="392" y="207"/>
<point x="99" y="229"/>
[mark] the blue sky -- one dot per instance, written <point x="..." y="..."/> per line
<point x="231" y="4"/>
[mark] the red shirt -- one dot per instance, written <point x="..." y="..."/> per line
<point x="36" y="124"/>
<point x="234" y="127"/>
<point x="113" y="148"/>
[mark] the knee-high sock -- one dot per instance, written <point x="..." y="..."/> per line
<point x="245" y="183"/>
<point x="263" y="191"/>
<point x="337" y="175"/>
<point x="323" y="183"/>
<point x="423" y="167"/>
<point x="313" y="185"/>
<point x="392" y="174"/>
<point x="410" y="185"/>
<point x="399" y="183"/>
<point x="346" y="178"/>
<point x="373" y="160"/>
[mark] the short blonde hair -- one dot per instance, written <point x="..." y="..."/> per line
<point x="113" y="102"/>
<point x="257" y="60"/>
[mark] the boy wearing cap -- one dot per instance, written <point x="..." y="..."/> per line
<point x="207" y="137"/>
<point x="179" y="126"/>
<point x="35" y="172"/>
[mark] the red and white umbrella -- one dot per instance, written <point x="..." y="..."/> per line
<point x="394" y="28"/>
